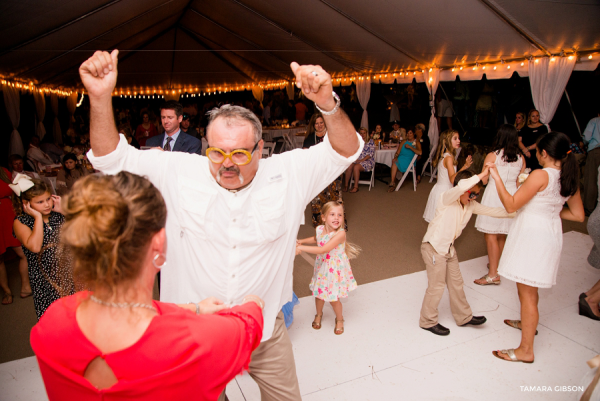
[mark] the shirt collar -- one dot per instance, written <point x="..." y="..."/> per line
<point x="174" y="136"/>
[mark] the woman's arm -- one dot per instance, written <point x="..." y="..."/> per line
<point x="537" y="181"/>
<point x="490" y="158"/>
<point x="399" y="150"/>
<point x="319" y="250"/>
<point x="575" y="211"/>
<point x="523" y="148"/>
<point x="416" y="149"/>
<point x="31" y="239"/>
<point x="309" y="240"/>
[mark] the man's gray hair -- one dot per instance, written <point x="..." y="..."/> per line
<point x="421" y="126"/>
<point x="230" y="112"/>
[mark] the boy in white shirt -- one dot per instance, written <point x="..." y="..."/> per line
<point x="454" y="209"/>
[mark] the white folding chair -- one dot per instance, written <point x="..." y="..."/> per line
<point x="270" y="146"/>
<point x="410" y="169"/>
<point x="370" y="182"/>
<point x="265" y="153"/>
<point x="288" y="144"/>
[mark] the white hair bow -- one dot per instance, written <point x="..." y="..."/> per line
<point x="21" y="184"/>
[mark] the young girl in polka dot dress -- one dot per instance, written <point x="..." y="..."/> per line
<point x="37" y="227"/>
<point x="332" y="278"/>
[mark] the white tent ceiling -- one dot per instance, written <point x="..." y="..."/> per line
<point x="209" y="43"/>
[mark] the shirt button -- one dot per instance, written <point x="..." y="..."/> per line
<point x="234" y="220"/>
<point x="233" y="276"/>
<point x="181" y="234"/>
<point x="234" y="247"/>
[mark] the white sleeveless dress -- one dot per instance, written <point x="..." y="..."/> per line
<point x="509" y="173"/>
<point x="443" y="184"/>
<point x="532" y="252"/>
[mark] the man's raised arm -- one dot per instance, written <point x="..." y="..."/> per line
<point x="99" y="76"/>
<point x="316" y="84"/>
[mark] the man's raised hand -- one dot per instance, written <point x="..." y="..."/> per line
<point x="99" y="73"/>
<point x="316" y="84"/>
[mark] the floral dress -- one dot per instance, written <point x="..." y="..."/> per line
<point x="332" y="278"/>
<point x="368" y="150"/>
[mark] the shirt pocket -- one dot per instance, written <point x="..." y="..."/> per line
<point x="196" y="201"/>
<point x="268" y="211"/>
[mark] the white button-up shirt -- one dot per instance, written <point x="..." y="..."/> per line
<point x="226" y="244"/>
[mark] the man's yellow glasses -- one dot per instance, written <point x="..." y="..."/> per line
<point x="239" y="157"/>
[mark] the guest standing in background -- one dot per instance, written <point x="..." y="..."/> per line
<point x="591" y="136"/>
<point x="588" y="301"/>
<point x="145" y="130"/>
<point x="529" y="136"/>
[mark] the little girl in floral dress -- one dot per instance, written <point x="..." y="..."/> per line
<point x="332" y="278"/>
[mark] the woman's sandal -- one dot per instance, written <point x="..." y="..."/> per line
<point x="515" y="324"/>
<point x="7" y="298"/>
<point x="489" y="280"/>
<point x="511" y="355"/>
<point x="317" y="325"/>
<point x="337" y="331"/>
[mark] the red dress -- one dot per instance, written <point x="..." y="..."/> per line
<point x="7" y="216"/>
<point x="142" y="134"/>
<point x="181" y="356"/>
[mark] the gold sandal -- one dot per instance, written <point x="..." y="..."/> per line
<point x="317" y="325"/>
<point x="337" y="331"/>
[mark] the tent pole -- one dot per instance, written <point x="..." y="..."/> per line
<point x="572" y="111"/>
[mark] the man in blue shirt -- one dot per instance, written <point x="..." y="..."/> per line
<point x="174" y="139"/>
<point x="591" y="136"/>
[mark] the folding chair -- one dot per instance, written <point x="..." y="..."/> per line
<point x="288" y="144"/>
<point x="270" y="146"/>
<point x="410" y="169"/>
<point x="370" y="182"/>
<point x="265" y="153"/>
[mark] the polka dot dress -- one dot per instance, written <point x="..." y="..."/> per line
<point x="46" y="269"/>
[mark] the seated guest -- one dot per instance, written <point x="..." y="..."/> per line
<point x="16" y="165"/>
<point x="71" y="172"/>
<point x="126" y="131"/>
<point x="114" y="342"/>
<point x="185" y="126"/>
<point x="423" y="138"/>
<point x="36" y="155"/>
<point x="407" y="149"/>
<point x="378" y="133"/>
<point x="397" y="134"/>
<point x="50" y="147"/>
<point x="365" y="162"/>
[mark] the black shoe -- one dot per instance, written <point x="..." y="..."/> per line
<point x="585" y="310"/>
<point x="582" y="296"/>
<point x="438" y="329"/>
<point x="475" y="321"/>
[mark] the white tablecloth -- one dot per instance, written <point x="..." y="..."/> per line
<point x="385" y="156"/>
<point x="272" y="133"/>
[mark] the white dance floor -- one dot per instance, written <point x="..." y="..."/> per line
<point x="384" y="355"/>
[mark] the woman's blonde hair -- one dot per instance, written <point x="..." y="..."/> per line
<point x="110" y="222"/>
<point x="444" y="146"/>
<point x="39" y="188"/>
<point x="529" y="116"/>
<point x="522" y="115"/>
<point x="352" y="250"/>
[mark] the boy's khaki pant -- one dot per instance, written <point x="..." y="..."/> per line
<point x="442" y="271"/>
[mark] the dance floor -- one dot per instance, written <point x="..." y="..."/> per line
<point x="384" y="355"/>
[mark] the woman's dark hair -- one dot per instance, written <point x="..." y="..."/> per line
<point x="557" y="146"/>
<point x="69" y="156"/>
<point x="462" y="175"/>
<point x="507" y="138"/>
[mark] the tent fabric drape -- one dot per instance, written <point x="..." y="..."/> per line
<point x="40" y="112"/>
<point x="258" y="93"/>
<point x="432" y="79"/>
<point x="290" y="90"/>
<point x="12" y="100"/>
<point x="72" y="105"/>
<point x="548" y="80"/>
<point x="363" y="91"/>
<point x="56" y="127"/>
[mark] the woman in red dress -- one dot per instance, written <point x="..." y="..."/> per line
<point x="8" y="240"/>
<point x="114" y="342"/>
<point x="145" y="130"/>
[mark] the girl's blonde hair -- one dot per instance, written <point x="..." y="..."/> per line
<point x="445" y="146"/>
<point x="352" y="250"/>
<point x="524" y="119"/>
<point x="39" y="188"/>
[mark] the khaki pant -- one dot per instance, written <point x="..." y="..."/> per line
<point x="442" y="271"/>
<point x="273" y="368"/>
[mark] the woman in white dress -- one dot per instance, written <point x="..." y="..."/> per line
<point x="446" y="154"/>
<point x="533" y="247"/>
<point x="509" y="164"/>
